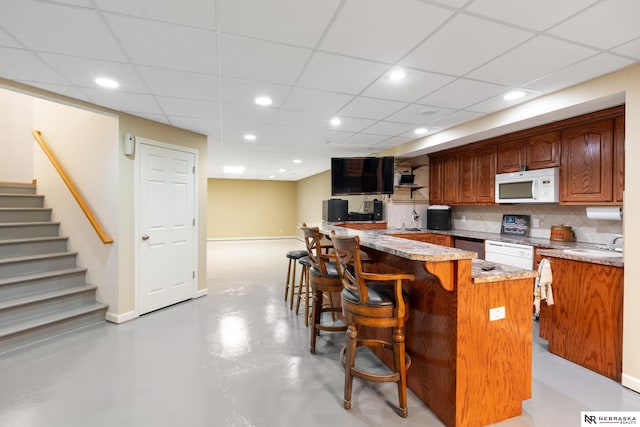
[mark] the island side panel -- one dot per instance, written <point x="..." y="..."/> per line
<point x="494" y="358"/>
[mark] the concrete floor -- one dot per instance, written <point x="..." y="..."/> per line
<point x="239" y="358"/>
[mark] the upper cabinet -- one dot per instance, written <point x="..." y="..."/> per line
<point x="587" y="163"/>
<point x="537" y="151"/>
<point x="589" y="150"/>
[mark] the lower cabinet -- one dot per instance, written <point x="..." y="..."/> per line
<point x="584" y="324"/>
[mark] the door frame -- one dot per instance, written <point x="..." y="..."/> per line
<point x="136" y="195"/>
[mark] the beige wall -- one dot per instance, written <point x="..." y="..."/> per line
<point x="16" y="142"/>
<point x="88" y="140"/>
<point x="239" y="208"/>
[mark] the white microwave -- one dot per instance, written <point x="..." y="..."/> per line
<point x="535" y="186"/>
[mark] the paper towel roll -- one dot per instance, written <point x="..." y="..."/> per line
<point x="605" y="212"/>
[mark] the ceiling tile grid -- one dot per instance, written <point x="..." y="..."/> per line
<point x="200" y="64"/>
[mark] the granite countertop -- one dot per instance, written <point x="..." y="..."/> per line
<point x="554" y="248"/>
<point x="420" y="251"/>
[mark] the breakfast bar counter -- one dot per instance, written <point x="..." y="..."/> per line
<point x="469" y="370"/>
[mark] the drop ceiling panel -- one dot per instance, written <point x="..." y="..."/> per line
<point x="301" y="119"/>
<point x="329" y="137"/>
<point x="419" y="114"/>
<point x="340" y="74"/>
<point x="252" y="59"/>
<point x="66" y="90"/>
<point x="173" y="45"/>
<point x="349" y="124"/>
<point x="415" y="85"/>
<point x="534" y="59"/>
<point x="132" y="103"/>
<point x="7" y="41"/>
<point x="204" y="126"/>
<point x="60" y="29"/>
<point x="199" y="13"/>
<point x="532" y="15"/>
<point x="371" y="108"/>
<point x="606" y="25"/>
<point x="194" y="108"/>
<point x="464" y="44"/>
<point x="462" y="93"/>
<point x="272" y="20"/>
<point x="364" y="140"/>
<point x="631" y="49"/>
<point x="381" y="30"/>
<point x="83" y="71"/>
<point x="181" y="84"/>
<point x="247" y="114"/>
<point x="582" y="71"/>
<point x="389" y="128"/>
<point x="22" y="65"/>
<point x="456" y="118"/>
<point x="316" y="101"/>
<point x="245" y="92"/>
<point x="498" y="103"/>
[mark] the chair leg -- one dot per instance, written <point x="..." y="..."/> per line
<point x="293" y="285"/>
<point x="286" y="284"/>
<point x="307" y="299"/>
<point x="315" y="318"/>
<point x="399" y="361"/>
<point x="303" y="274"/>
<point x="351" y="341"/>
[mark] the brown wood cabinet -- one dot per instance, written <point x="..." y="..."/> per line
<point x="467" y="177"/>
<point x="435" y="239"/>
<point x="435" y="181"/>
<point x="587" y="163"/>
<point x="585" y="323"/>
<point x="538" y="151"/>
<point x="485" y="175"/>
<point x="364" y="225"/>
<point x="450" y="180"/>
<point x="618" y="159"/>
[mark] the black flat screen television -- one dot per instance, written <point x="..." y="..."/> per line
<point x="362" y="175"/>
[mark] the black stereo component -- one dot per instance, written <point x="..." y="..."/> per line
<point x="335" y="210"/>
<point x="438" y="218"/>
<point x="374" y="207"/>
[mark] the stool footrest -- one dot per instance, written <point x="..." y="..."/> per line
<point x="370" y="376"/>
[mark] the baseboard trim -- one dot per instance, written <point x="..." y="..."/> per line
<point x="201" y="293"/>
<point x="239" y="239"/>
<point x="120" y="318"/>
<point x="631" y="382"/>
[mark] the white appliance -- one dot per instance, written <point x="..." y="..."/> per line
<point x="513" y="254"/>
<point x="535" y="186"/>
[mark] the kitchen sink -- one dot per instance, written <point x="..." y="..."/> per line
<point x="598" y="253"/>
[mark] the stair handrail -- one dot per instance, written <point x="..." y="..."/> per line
<point x="106" y="239"/>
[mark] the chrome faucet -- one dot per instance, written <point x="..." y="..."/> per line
<point x="615" y="239"/>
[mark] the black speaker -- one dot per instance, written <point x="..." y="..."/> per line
<point x="377" y="210"/>
<point x="335" y="210"/>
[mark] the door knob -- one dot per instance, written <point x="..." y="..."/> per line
<point x="145" y="237"/>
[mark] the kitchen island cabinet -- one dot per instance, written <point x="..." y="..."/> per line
<point x="468" y="370"/>
<point x="584" y="325"/>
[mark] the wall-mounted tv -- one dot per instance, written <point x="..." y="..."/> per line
<point x="362" y="175"/>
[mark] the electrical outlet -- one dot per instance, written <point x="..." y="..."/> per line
<point x="464" y="218"/>
<point x="536" y="222"/>
<point x="497" y="313"/>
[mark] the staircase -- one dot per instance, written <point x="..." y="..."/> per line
<point x="42" y="291"/>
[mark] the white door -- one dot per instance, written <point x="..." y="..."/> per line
<point x="167" y="240"/>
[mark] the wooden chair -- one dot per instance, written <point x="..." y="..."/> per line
<point x="323" y="279"/>
<point x="375" y="301"/>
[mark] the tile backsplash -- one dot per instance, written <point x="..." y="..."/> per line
<point x="489" y="219"/>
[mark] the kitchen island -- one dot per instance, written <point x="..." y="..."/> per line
<point x="469" y="370"/>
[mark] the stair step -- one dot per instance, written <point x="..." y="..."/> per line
<point x="50" y="325"/>
<point x="17" y="188"/>
<point x="8" y="200"/>
<point x="32" y="246"/>
<point x="13" y="215"/>
<point x="29" y="264"/>
<point x="39" y="299"/>
<point x="38" y="283"/>
<point x="23" y="230"/>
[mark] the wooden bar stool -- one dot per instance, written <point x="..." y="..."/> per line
<point x="290" y="283"/>
<point x="303" y="288"/>
<point x="323" y="279"/>
<point x="375" y="301"/>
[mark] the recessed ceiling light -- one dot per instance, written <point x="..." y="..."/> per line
<point x="233" y="169"/>
<point x="513" y="95"/>
<point x="282" y="171"/>
<point x="336" y="121"/>
<point x="297" y="161"/>
<point x="421" y="131"/>
<point x="107" y="82"/>
<point x="272" y="176"/>
<point x="250" y="137"/>
<point x="263" y="100"/>
<point x="397" y="75"/>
